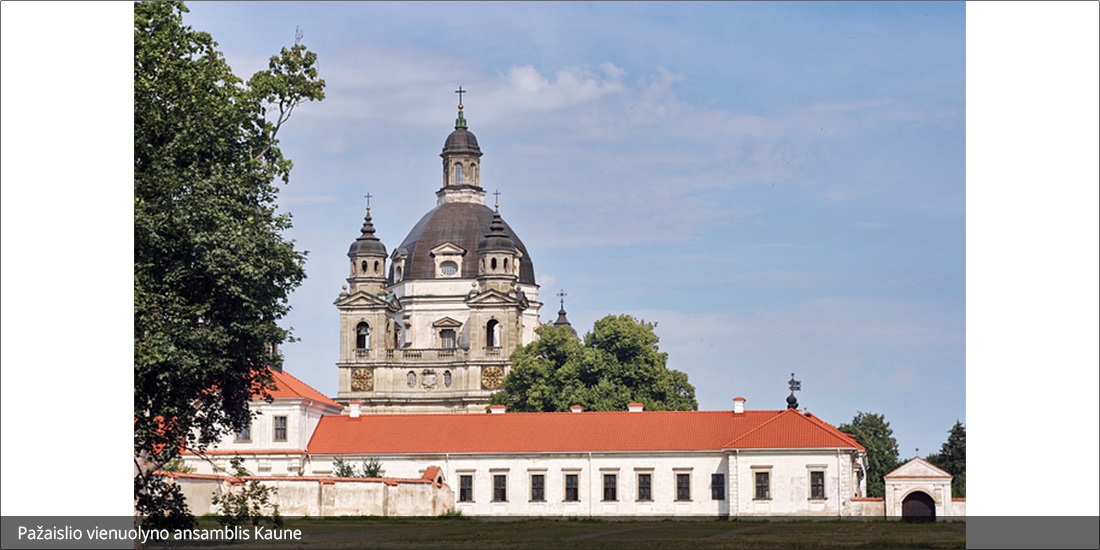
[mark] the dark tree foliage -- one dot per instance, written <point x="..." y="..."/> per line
<point x="952" y="458"/>
<point x="617" y="363"/>
<point x="874" y="433"/>
<point x="212" y="271"/>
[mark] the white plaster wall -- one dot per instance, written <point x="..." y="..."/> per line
<point x="790" y="483"/>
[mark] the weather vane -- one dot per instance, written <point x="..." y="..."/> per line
<point x="795" y="385"/>
<point x="460" y="91"/>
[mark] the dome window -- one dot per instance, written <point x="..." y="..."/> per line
<point x="448" y="269"/>
<point x="363" y="266"/>
<point x="376" y="266"/>
<point x="458" y="174"/>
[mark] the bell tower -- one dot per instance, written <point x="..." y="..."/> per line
<point x="461" y="164"/>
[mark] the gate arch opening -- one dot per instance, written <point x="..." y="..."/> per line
<point x="918" y="507"/>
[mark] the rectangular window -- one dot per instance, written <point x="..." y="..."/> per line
<point x="447" y="336"/>
<point x="610" y="481"/>
<point x="817" y="485"/>
<point x="763" y="486"/>
<point x="572" y="488"/>
<point x="683" y="486"/>
<point x="280" y="428"/>
<point x="245" y="435"/>
<point x="465" y="488"/>
<point x="538" y="487"/>
<point x="645" y="486"/>
<point x="718" y="486"/>
<point x="500" y="488"/>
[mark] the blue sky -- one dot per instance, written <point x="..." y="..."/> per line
<point x="780" y="187"/>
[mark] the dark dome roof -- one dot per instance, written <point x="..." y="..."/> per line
<point x="461" y="223"/>
<point x="367" y="243"/>
<point x="496" y="239"/>
<point x="461" y="141"/>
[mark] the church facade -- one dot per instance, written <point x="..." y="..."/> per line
<point x="429" y="328"/>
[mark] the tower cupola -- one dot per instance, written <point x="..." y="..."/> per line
<point x="461" y="163"/>
<point x="368" y="259"/>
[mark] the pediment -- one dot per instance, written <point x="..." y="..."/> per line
<point x="362" y="299"/>
<point x="491" y="297"/>
<point x="448" y="249"/>
<point x="918" y="467"/>
<point x="446" y="322"/>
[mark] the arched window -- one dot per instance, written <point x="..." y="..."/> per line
<point x="458" y="174"/>
<point x="492" y="338"/>
<point x="397" y="274"/>
<point x="410" y="379"/>
<point x="473" y="174"/>
<point x="362" y="336"/>
<point x="505" y="264"/>
<point x="376" y="266"/>
<point x="446" y="378"/>
<point x="363" y="266"/>
<point x="493" y="264"/>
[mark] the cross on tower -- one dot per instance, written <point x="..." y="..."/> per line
<point x="496" y="199"/>
<point x="460" y="91"/>
<point x="368" y="196"/>
<point x="561" y="295"/>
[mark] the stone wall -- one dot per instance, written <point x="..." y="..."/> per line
<point x="327" y="496"/>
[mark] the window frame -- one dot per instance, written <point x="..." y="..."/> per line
<point x="762" y="491"/>
<point x="500" y="487"/>
<point x="540" y="487"/>
<point x="647" y="487"/>
<point x="718" y="486"/>
<point x="814" y="487"/>
<point x="575" y="489"/>
<point x="465" y="487"/>
<point x="683" y="490"/>
<point x="611" y="488"/>
<point x="278" y="423"/>
<point x="243" y="436"/>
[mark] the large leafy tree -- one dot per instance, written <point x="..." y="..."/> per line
<point x="617" y="363"/>
<point x="212" y="272"/>
<point x="952" y="458"/>
<point x="874" y="433"/>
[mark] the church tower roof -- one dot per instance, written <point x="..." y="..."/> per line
<point x="367" y="243"/>
<point x="562" y="320"/>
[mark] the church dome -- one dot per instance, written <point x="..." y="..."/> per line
<point x="496" y="239"/>
<point x="463" y="224"/>
<point x="367" y="243"/>
<point x="461" y="141"/>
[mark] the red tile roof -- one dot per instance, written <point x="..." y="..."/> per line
<point x="572" y="432"/>
<point x="289" y="387"/>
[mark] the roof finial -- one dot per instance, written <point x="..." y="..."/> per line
<point x="460" y="122"/>
<point x="561" y="296"/>
<point x="368" y="196"/>
<point x="496" y="200"/>
<point x="795" y="385"/>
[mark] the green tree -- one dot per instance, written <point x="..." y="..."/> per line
<point x="212" y="271"/>
<point x="617" y="363"/>
<point x="340" y="468"/>
<point x="952" y="458"/>
<point x="372" y="467"/>
<point x="250" y="503"/>
<point x="874" y="433"/>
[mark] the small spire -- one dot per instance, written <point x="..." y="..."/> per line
<point x="460" y="122"/>
<point x="795" y="385"/>
<point x="562" y="320"/>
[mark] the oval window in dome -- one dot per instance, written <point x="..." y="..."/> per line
<point x="448" y="269"/>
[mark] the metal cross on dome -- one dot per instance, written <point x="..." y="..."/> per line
<point x="368" y="196"/>
<point x="562" y="295"/>
<point x="460" y="91"/>
<point x="496" y="199"/>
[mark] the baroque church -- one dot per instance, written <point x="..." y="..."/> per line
<point x="425" y="336"/>
<point x="431" y="331"/>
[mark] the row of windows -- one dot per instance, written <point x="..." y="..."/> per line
<point x="278" y="432"/>
<point x="762" y="487"/>
<point x="571" y="486"/>
<point x="447" y="337"/>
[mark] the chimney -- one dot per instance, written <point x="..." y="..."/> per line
<point x="354" y="411"/>
<point x="497" y="409"/>
<point x="738" y="405"/>
<point x="576" y="409"/>
<point x="635" y="407"/>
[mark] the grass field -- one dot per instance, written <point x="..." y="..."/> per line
<point x="471" y="533"/>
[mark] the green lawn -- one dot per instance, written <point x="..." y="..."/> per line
<point x="463" y="533"/>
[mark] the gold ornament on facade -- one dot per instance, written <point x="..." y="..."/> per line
<point x="492" y="377"/>
<point x="362" y="380"/>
